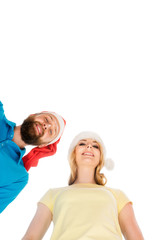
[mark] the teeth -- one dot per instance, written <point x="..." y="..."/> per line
<point x="39" y="129"/>
<point x="89" y="154"/>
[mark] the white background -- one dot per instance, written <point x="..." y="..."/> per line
<point x="103" y="66"/>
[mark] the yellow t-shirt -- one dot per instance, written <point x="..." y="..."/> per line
<point x="85" y="212"/>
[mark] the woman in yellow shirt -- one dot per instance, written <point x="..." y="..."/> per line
<point x="86" y="209"/>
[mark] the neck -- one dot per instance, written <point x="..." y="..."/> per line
<point x="85" y="175"/>
<point x="17" y="137"/>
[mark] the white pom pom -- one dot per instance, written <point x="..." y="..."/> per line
<point x="109" y="163"/>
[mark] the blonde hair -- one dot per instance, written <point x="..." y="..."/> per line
<point x="100" y="179"/>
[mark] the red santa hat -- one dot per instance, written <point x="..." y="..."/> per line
<point x="32" y="158"/>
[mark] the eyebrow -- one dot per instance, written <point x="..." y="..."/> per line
<point x="51" y="117"/>
<point x="52" y="121"/>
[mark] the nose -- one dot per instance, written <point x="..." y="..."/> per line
<point x="89" y="146"/>
<point x="46" y="125"/>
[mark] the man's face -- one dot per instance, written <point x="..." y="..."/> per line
<point x="40" y="129"/>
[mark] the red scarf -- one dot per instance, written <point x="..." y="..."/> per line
<point x="32" y="158"/>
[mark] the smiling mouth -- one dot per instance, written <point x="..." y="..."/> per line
<point x="88" y="154"/>
<point x="38" y="129"/>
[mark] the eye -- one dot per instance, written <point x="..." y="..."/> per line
<point x="50" y="132"/>
<point x="96" y="146"/>
<point x="46" y="120"/>
<point x="81" y="144"/>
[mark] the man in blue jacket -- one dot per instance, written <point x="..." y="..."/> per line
<point x="42" y="130"/>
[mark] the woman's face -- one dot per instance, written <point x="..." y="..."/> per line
<point x="87" y="153"/>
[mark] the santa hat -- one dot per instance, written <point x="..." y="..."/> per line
<point x="109" y="164"/>
<point x="32" y="158"/>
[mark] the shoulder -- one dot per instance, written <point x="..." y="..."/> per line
<point x="50" y="197"/>
<point x="1" y="110"/>
<point x="120" y="196"/>
<point x="52" y="193"/>
<point x="1" y="105"/>
<point x="116" y="192"/>
<point x="57" y="190"/>
<point x="2" y="116"/>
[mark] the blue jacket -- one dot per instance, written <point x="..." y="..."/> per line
<point x="13" y="175"/>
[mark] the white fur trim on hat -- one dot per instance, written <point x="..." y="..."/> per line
<point x="109" y="164"/>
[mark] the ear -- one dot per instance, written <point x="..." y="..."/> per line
<point x="42" y="145"/>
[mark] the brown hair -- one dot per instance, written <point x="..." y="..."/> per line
<point x="100" y="179"/>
